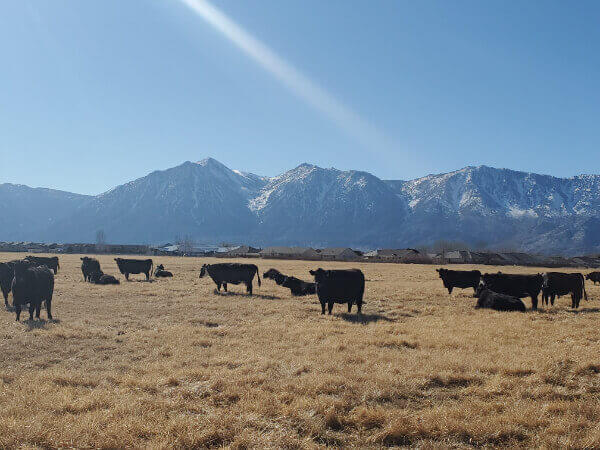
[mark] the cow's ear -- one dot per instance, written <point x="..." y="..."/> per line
<point x="437" y="270"/>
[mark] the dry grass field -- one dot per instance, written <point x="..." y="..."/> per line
<point x="171" y="363"/>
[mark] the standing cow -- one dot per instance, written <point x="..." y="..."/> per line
<point x="32" y="285"/>
<point x="89" y="266"/>
<point x="127" y="266"/>
<point x="233" y="273"/>
<point x="50" y="262"/>
<point x="515" y="285"/>
<point x="556" y="284"/>
<point x="459" y="278"/>
<point x="339" y="286"/>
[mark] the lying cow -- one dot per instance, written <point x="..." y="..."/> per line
<point x="233" y="273"/>
<point x="339" y="286"/>
<point x="515" y="285"/>
<point x="135" y="266"/>
<point x="32" y="285"/>
<point x="459" y="278"/>
<point x="594" y="277"/>
<point x="50" y="262"/>
<point x="160" y="272"/>
<point x="499" y="302"/>
<point x="89" y="266"/>
<point x="99" y="277"/>
<point x="556" y="284"/>
<point x="296" y="286"/>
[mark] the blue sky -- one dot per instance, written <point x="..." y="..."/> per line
<point x="96" y="93"/>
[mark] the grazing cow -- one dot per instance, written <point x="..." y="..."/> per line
<point x="99" y="277"/>
<point x="339" y="286"/>
<point x="296" y="286"/>
<point x="32" y="285"/>
<point x="594" y="277"/>
<point x="499" y="302"/>
<point x="556" y="284"/>
<point x="515" y="285"/>
<point x="161" y="272"/>
<point x="127" y="266"/>
<point x="50" y="262"/>
<point x="89" y="266"/>
<point x="233" y="273"/>
<point x="459" y="278"/>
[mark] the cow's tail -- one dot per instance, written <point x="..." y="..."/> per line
<point x="151" y="267"/>
<point x="257" y="275"/>
<point x="583" y="284"/>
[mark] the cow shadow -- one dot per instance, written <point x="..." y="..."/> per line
<point x="151" y="280"/>
<point x="365" y="318"/>
<point x="244" y="294"/>
<point x="39" y="324"/>
<point x="584" y="310"/>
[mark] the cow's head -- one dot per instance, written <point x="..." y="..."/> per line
<point x="441" y="272"/>
<point x="480" y="288"/>
<point x="20" y="268"/>
<point x="319" y="274"/>
<point x="588" y="276"/>
<point x="203" y="270"/>
<point x="271" y="273"/>
<point x="160" y="267"/>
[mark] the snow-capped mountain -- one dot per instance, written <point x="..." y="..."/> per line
<point x="310" y="205"/>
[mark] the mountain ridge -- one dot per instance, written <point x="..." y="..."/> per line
<point x="310" y="205"/>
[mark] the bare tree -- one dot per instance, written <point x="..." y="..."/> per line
<point x="186" y="243"/>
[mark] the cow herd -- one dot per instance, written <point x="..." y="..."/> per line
<point x="503" y="292"/>
<point x="31" y="282"/>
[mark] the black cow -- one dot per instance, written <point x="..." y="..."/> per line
<point x="32" y="285"/>
<point x="459" y="278"/>
<point x="127" y="266"/>
<point x="556" y="284"/>
<point x="499" y="302"/>
<point x="161" y="272"/>
<point x="516" y="285"/>
<point x="594" y="277"/>
<point x="339" y="286"/>
<point x="296" y="286"/>
<point x="274" y="275"/>
<point x="299" y="287"/>
<point x="233" y="273"/>
<point x="50" y="262"/>
<point x="89" y="266"/>
<point x="7" y="273"/>
<point x="99" y="277"/>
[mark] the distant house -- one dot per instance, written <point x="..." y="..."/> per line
<point x="394" y="255"/>
<point x="338" y="254"/>
<point x="241" y="251"/>
<point x="290" y="253"/>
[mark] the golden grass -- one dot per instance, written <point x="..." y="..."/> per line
<point x="170" y="363"/>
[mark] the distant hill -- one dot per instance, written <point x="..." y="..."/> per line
<point x="310" y="205"/>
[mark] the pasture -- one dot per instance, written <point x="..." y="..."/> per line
<point x="171" y="363"/>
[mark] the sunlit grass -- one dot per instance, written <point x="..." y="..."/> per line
<point x="170" y="363"/>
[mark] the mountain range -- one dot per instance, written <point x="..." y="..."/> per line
<point x="309" y="205"/>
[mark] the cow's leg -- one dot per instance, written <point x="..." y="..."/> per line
<point x="127" y="276"/>
<point x="450" y="290"/>
<point x="249" y="288"/>
<point x="31" y="308"/>
<point x="322" y="307"/>
<point x="359" y="305"/>
<point x="349" y="306"/>
<point x="18" y="310"/>
<point x="55" y="270"/>
<point x="219" y="287"/>
<point x="534" y="302"/>
<point x="148" y="276"/>
<point x="38" y="308"/>
<point x="49" y="309"/>
<point x="5" y="294"/>
<point x="225" y="286"/>
<point x="330" y="307"/>
<point x="552" y="298"/>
